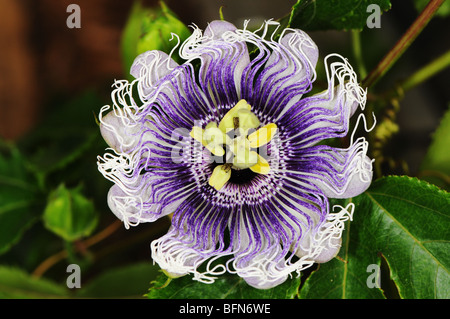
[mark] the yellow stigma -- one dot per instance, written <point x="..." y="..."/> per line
<point x="243" y="147"/>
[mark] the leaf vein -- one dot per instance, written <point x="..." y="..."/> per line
<point x="406" y="231"/>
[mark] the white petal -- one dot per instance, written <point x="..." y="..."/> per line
<point x="298" y="61"/>
<point x="329" y="251"/>
<point x="332" y="108"/>
<point x="260" y="282"/>
<point x="217" y="30"/>
<point x="175" y="253"/>
<point x="261" y="264"/>
<point x="357" y="184"/>
<point x="125" y="207"/>
<point x="135" y="204"/>
<point x="351" y="177"/>
<point x="224" y="56"/>
<point x="123" y="134"/>
<point x="323" y="242"/>
<point x="150" y="67"/>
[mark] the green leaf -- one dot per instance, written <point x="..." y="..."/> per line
<point x="150" y="29"/>
<point x="69" y="214"/>
<point x="18" y="198"/>
<point x="403" y="220"/>
<point x="435" y="167"/>
<point x="124" y="282"/>
<point x="314" y="15"/>
<point x="225" y="287"/>
<point x="344" y="277"/>
<point x="15" y="284"/>
<point x="66" y="133"/>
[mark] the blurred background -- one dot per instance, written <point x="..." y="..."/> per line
<point x="41" y="56"/>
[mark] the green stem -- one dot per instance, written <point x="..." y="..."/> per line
<point x="71" y="254"/>
<point x="357" y="53"/>
<point x="426" y="72"/>
<point x="69" y="251"/>
<point x="405" y="41"/>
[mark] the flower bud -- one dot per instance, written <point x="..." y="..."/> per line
<point x="150" y="29"/>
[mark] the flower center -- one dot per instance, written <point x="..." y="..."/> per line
<point x="238" y="137"/>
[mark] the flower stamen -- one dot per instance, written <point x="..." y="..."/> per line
<point x="220" y="176"/>
<point x="263" y="135"/>
<point x="241" y="110"/>
<point x="262" y="166"/>
<point x="240" y="120"/>
<point x="211" y="138"/>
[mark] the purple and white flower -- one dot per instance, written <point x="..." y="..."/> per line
<point x="228" y="143"/>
